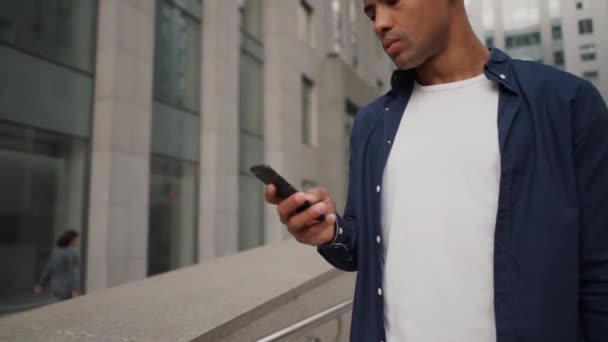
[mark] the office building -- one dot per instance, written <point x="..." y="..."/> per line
<point x="135" y="123"/>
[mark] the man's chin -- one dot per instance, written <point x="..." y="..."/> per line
<point x="406" y="62"/>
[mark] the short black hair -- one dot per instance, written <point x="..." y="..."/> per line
<point x="66" y="238"/>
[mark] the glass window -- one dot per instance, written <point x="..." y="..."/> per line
<point x="251" y="126"/>
<point x="555" y="7"/>
<point x="488" y="22"/>
<point x="592" y="76"/>
<point x="173" y="207"/>
<point x="251" y="18"/>
<point x="251" y="95"/>
<point x="558" y="58"/>
<point x="177" y="57"/>
<point x="336" y="18"/>
<point x="251" y="192"/>
<point x="490" y="42"/>
<point x="351" y="111"/>
<point x="307" y="111"/>
<point x="556" y="32"/>
<point x="305" y="25"/>
<point x="522" y="29"/>
<point x="251" y="212"/>
<point x="354" y="35"/>
<point x="60" y="30"/>
<point x="38" y="93"/>
<point x="175" y="132"/>
<point x="580" y="4"/>
<point x="42" y="177"/>
<point x="172" y="240"/>
<point x="588" y="52"/>
<point x="585" y="26"/>
<point x="192" y="7"/>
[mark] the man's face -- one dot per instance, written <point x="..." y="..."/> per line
<point x="411" y="31"/>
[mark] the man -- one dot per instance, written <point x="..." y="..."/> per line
<point x="478" y="193"/>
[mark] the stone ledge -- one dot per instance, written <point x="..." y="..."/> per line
<point x="205" y="302"/>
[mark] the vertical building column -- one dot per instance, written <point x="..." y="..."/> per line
<point x="475" y="12"/>
<point x="218" y="199"/>
<point x="546" y="31"/>
<point x="282" y="94"/>
<point x="499" y="24"/>
<point x="118" y="212"/>
<point x="571" y="37"/>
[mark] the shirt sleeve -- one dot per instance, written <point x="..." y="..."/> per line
<point x="342" y="252"/>
<point x="590" y="143"/>
<point x="46" y="274"/>
<point x="75" y="274"/>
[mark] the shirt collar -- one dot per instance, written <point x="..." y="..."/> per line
<point x="497" y="69"/>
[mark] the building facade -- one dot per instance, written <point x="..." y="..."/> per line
<point x="135" y="122"/>
<point x="569" y="34"/>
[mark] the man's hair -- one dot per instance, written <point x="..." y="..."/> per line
<point x="66" y="238"/>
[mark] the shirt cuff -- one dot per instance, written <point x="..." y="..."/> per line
<point x="339" y="243"/>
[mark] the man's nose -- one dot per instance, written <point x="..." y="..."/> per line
<point x="382" y="22"/>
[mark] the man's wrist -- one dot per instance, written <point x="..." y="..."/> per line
<point x="335" y="236"/>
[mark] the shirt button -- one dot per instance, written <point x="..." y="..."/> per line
<point x="502" y="76"/>
<point x="378" y="239"/>
<point x="386" y="108"/>
<point x="378" y="188"/>
<point x="340" y="231"/>
<point x="389" y="142"/>
<point x="379" y="292"/>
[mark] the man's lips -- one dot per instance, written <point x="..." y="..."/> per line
<point x="387" y="43"/>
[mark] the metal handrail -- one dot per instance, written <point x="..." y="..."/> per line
<point x="311" y="321"/>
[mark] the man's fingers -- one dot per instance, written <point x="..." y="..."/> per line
<point x="315" y="195"/>
<point x="318" y="234"/>
<point x="289" y="206"/>
<point x="271" y="194"/>
<point x="307" y="217"/>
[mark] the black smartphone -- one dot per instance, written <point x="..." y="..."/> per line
<point x="268" y="176"/>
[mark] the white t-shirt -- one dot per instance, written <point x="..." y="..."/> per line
<point x="439" y="212"/>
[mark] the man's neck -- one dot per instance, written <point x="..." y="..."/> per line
<point x="463" y="57"/>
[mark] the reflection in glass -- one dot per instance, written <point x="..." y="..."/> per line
<point x="42" y="180"/>
<point x="172" y="236"/>
<point x="251" y="18"/>
<point x="250" y="95"/>
<point x="45" y="95"/>
<point x="251" y="219"/>
<point x="173" y="206"/>
<point x="61" y="30"/>
<point x="251" y="126"/>
<point x="177" y="57"/>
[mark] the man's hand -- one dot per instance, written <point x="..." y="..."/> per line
<point x="304" y="226"/>
<point x="38" y="290"/>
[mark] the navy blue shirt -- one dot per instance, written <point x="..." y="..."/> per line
<point x="551" y="234"/>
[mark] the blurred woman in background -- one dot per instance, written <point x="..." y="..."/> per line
<point x="61" y="272"/>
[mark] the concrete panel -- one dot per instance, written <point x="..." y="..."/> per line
<point x="121" y="144"/>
